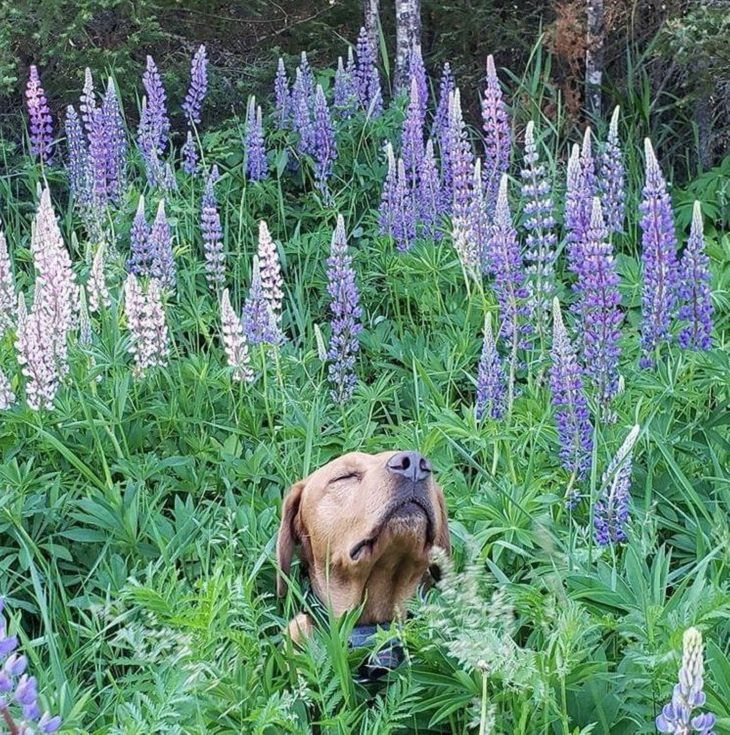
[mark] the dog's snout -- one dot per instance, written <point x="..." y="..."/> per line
<point x="412" y="465"/>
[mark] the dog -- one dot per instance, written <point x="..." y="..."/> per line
<point x="364" y="526"/>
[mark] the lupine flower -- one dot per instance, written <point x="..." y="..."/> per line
<point x="305" y="70"/>
<point x="169" y="180"/>
<point x="259" y="322"/>
<point x="84" y="323"/>
<point x="367" y="77"/>
<point x="7" y="289"/>
<point x="257" y="167"/>
<point x="478" y="225"/>
<point x="87" y="103"/>
<point x="461" y="167"/>
<point x="659" y="257"/>
<point x="412" y="137"/>
<point x="580" y="189"/>
<point x="611" y="182"/>
<point x="440" y="125"/>
<point x="234" y="342"/>
<point x="78" y="159"/>
<point x="430" y="202"/>
<point x="96" y="288"/>
<point x="146" y="143"/>
<point x="198" y="86"/>
<point x="388" y="201"/>
<point x="302" y="117"/>
<point x="157" y="120"/>
<point x="568" y="398"/>
<point x="41" y="124"/>
<point x="100" y="152"/>
<point x="150" y="341"/>
<point x="346" y="315"/>
<point x="7" y="397"/>
<point x="491" y="380"/>
<point x="599" y="307"/>
<point x="611" y="513"/>
<point x="505" y="264"/>
<point x="160" y="244"/>
<point x="688" y="695"/>
<point x="404" y="211"/>
<point x="540" y="225"/>
<point x="345" y="93"/>
<point x="190" y="155"/>
<point x="212" y="232"/>
<point x="142" y="255"/>
<point x="694" y="289"/>
<point x="417" y="71"/>
<point x="116" y="141"/>
<point x="37" y="355"/>
<point x="271" y="280"/>
<point x="325" y="146"/>
<point x="497" y="135"/>
<point x="281" y="96"/>
<point x="13" y="678"/>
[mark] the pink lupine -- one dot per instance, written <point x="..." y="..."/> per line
<point x="96" y="288"/>
<point x="271" y="279"/>
<point x="147" y="324"/>
<point x="234" y="342"/>
<point x="7" y="397"/>
<point x="7" y="288"/>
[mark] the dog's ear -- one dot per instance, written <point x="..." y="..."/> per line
<point x="442" y="539"/>
<point x="288" y="536"/>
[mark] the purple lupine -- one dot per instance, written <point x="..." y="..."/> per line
<point x="169" y="180"/>
<point x="581" y="187"/>
<point x="412" y="137"/>
<point x="430" y="203"/>
<point x="491" y="379"/>
<point x="7" y="288"/>
<point x="257" y="167"/>
<point x="41" y="123"/>
<point x="13" y="678"/>
<point x="346" y="315"/>
<point x="659" y="258"/>
<point x="147" y="144"/>
<point x="505" y="264"/>
<point x="388" y="201"/>
<point x="116" y="142"/>
<point x="599" y="308"/>
<point x="78" y="160"/>
<point x="190" y="155"/>
<point x="497" y="135"/>
<point x="198" y="86"/>
<point x="157" y="120"/>
<point x="282" y="96"/>
<point x="611" y="512"/>
<point x="367" y="77"/>
<point x="212" y="233"/>
<point x="676" y="716"/>
<point x="87" y="103"/>
<point x="611" y="182"/>
<point x="440" y="125"/>
<point x="417" y="71"/>
<point x="478" y="225"/>
<point x="461" y="171"/>
<point x="141" y="252"/>
<point x="234" y="342"/>
<point x="163" y="267"/>
<point x="569" y="402"/>
<point x="695" y="297"/>
<point x="541" y="239"/>
<point x="302" y="117"/>
<point x="345" y="99"/>
<point x="258" y="320"/>
<point x="305" y="70"/>
<point x="325" y="146"/>
<point x="404" y="212"/>
<point x="100" y="152"/>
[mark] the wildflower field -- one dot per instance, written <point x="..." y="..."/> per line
<point x="193" y="319"/>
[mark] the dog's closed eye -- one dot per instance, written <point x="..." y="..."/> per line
<point x="345" y="476"/>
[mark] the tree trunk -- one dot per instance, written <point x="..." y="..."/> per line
<point x="372" y="22"/>
<point x="594" y="56"/>
<point x="407" y="36"/>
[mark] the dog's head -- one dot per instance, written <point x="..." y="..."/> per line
<point x="365" y="525"/>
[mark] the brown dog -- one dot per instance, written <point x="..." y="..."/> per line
<point x="365" y="525"/>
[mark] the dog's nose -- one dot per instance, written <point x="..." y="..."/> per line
<point x="411" y="465"/>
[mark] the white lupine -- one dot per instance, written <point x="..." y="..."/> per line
<point x="7" y="397"/>
<point x="147" y="324"/>
<point x="271" y="279"/>
<point x="234" y="341"/>
<point x="7" y="289"/>
<point x="96" y="288"/>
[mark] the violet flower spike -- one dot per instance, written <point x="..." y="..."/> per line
<point x="78" y="160"/>
<point x="195" y="97"/>
<point x="258" y="320"/>
<point x="257" y="167"/>
<point x="282" y="96"/>
<point x="157" y="118"/>
<point x="440" y="125"/>
<point x="367" y="77"/>
<point x="87" y="102"/>
<point x="541" y="239"/>
<point x="345" y="94"/>
<point x="116" y="143"/>
<point x="305" y="70"/>
<point x="404" y="214"/>
<point x="163" y="268"/>
<point x="325" y="146"/>
<point x="430" y="202"/>
<point x="659" y="258"/>
<point x="611" y="512"/>
<point x="491" y="379"/>
<point x="612" y="180"/>
<point x="461" y="161"/>
<point x="302" y="117"/>
<point x="497" y="135"/>
<point x="676" y="717"/>
<point x="212" y="234"/>
<point x="346" y="317"/>
<point x="190" y="155"/>
<point x="571" y="407"/>
<point x="234" y="342"/>
<point x="142" y="254"/>
<point x="417" y="71"/>
<point x="39" y="114"/>
<point x="412" y="137"/>
<point x="695" y="296"/>
<point x="388" y="203"/>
